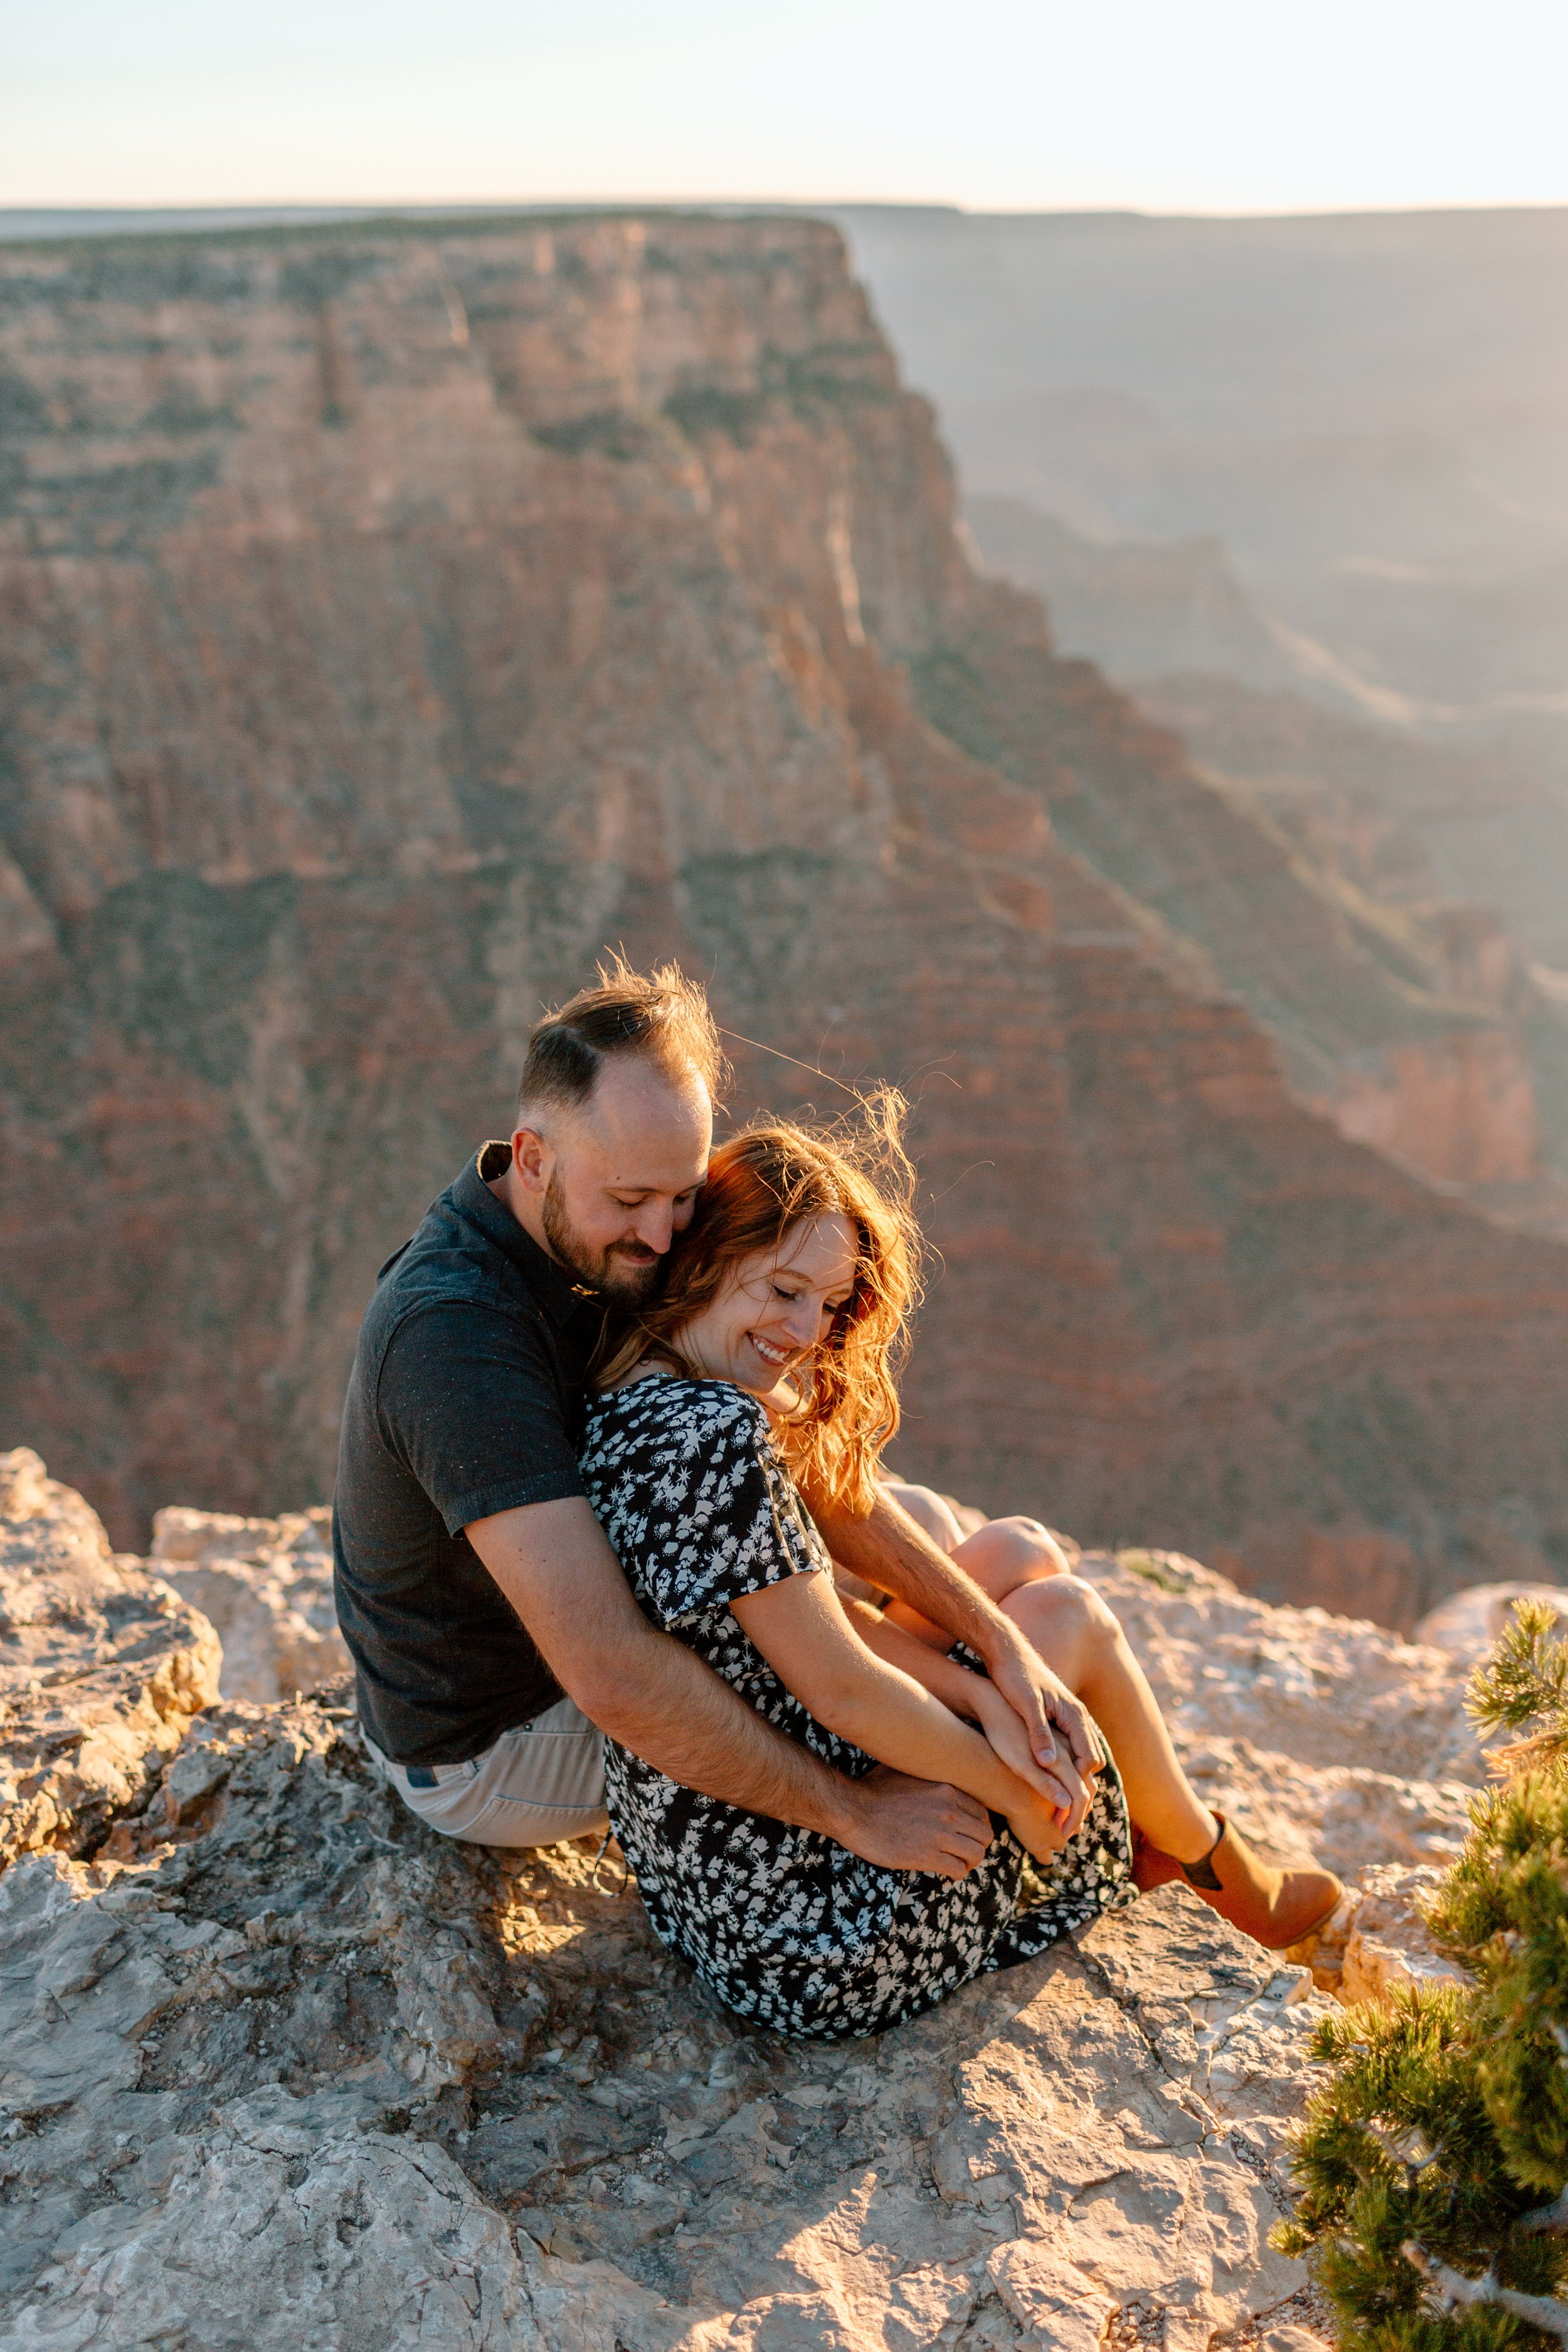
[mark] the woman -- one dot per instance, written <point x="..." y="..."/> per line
<point x="773" y="1344"/>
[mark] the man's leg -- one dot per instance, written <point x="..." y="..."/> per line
<point x="534" y="1786"/>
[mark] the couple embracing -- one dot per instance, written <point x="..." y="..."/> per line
<point x="612" y="1544"/>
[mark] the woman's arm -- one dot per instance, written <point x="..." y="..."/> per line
<point x="800" y="1627"/>
<point x="941" y="1675"/>
<point x="887" y="1550"/>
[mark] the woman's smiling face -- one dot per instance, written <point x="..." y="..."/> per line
<point x="776" y="1309"/>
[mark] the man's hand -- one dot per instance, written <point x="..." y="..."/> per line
<point x="904" y="1824"/>
<point x="1057" y="1726"/>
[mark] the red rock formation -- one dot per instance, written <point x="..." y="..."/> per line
<point x="390" y="618"/>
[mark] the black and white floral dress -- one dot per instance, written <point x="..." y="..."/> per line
<point x="786" y="1927"/>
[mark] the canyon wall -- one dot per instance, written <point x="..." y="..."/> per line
<point x="391" y="617"/>
<point x="1423" y="1023"/>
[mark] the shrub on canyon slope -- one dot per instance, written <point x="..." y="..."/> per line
<point x="1434" y="2165"/>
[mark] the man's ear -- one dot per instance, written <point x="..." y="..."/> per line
<point x="532" y="1158"/>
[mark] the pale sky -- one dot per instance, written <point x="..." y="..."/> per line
<point x="1163" y="105"/>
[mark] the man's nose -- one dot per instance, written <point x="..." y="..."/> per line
<point x="654" y="1225"/>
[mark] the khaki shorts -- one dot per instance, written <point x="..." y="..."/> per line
<point x="537" y="1784"/>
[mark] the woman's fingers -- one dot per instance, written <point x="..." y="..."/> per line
<point x="1071" y="1801"/>
<point x="1006" y="1733"/>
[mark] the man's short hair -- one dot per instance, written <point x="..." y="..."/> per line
<point x="660" y="1014"/>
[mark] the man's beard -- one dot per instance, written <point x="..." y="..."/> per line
<point x="623" y="1275"/>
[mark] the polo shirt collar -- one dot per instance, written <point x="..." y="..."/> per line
<point x="553" y="1288"/>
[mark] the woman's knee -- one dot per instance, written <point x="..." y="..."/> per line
<point x="930" y="1511"/>
<point x="1063" y="1611"/>
<point x="1007" y="1553"/>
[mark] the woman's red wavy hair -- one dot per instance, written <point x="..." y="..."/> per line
<point x="761" y="1183"/>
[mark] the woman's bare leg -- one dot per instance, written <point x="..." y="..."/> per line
<point x="1081" y="1640"/>
<point x="930" y="1512"/>
<point x="1001" y="1556"/>
<point x="1023" y="1567"/>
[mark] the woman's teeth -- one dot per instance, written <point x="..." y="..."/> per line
<point x="768" y="1352"/>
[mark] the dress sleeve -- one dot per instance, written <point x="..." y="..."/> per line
<point x="724" y="1515"/>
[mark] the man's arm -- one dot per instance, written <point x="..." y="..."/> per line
<point x="890" y="1551"/>
<point x="654" y="1696"/>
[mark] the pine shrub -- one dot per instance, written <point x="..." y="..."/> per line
<point x="1432" y="2166"/>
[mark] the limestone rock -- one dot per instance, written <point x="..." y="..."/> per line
<point x="267" y="1586"/>
<point x="278" y="2236"/>
<point x="232" y="2120"/>
<point x="1264" y="1704"/>
<point x="1321" y="1689"/>
<point x="1388" y="1941"/>
<point x="1466" y="1625"/>
<point x="101" y="1666"/>
<point x="280" y="2060"/>
<point x="277" y="2064"/>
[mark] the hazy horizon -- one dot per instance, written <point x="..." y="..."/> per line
<point x="1223" y="110"/>
<point x="306" y="212"/>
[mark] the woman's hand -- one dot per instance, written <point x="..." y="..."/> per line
<point x="1036" y="1824"/>
<point x="1057" y="1786"/>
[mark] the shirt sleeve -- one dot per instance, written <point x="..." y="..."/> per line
<point x="724" y="1517"/>
<point x="467" y="1402"/>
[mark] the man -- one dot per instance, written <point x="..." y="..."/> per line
<point x="495" y="1636"/>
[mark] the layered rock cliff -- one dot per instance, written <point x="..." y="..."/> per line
<point x="393" y="616"/>
<point x="1415" y="1022"/>
<point x="277" y="2064"/>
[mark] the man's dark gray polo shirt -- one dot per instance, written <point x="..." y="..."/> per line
<point x="464" y="1400"/>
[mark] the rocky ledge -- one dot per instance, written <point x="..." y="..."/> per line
<point x="278" y="2067"/>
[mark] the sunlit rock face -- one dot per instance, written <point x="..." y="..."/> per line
<point x="275" y="2058"/>
<point x="389" y="619"/>
<point x="102" y="1667"/>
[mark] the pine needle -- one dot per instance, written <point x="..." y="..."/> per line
<point x="1523" y="1687"/>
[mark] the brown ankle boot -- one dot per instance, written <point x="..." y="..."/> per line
<point x="1275" y="1908"/>
<point x="1151" y="1865"/>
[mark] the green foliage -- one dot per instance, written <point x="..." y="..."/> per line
<point x="1155" y="1571"/>
<point x="1523" y="1686"/>
<point x="1503" y="1912"/>
<point x="1399" y="2145"/>
<point x="1444" y="2120"/>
